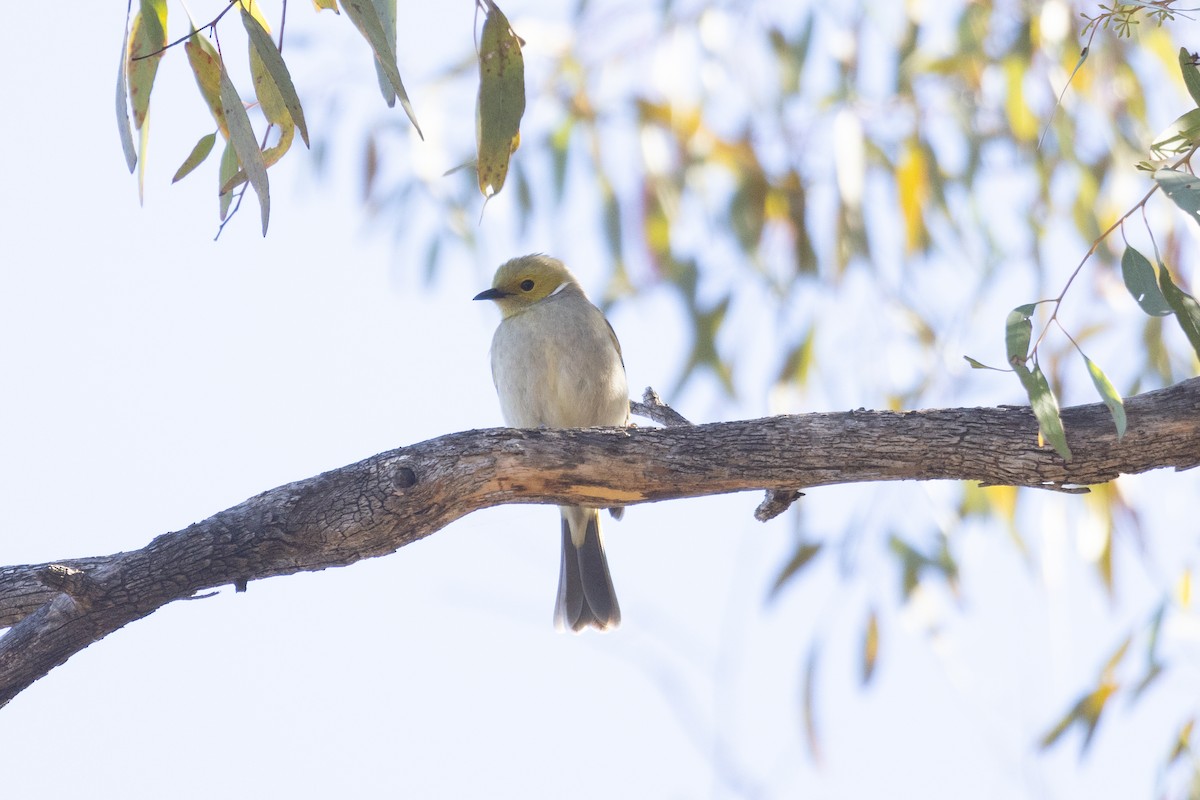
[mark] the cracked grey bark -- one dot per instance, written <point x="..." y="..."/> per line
<point x="378" y="505"/>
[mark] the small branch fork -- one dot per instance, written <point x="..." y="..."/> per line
<point x="653" y="408"/>
<point x="1185" y="159"/>
<point x="211" y="27"/>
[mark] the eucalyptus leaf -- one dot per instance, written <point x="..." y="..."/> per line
<point x="805" y="552"/>
<point x="1142" y="282"/>
<point x="1111" y="397"/>
<point x="206" y="66"/>
<point x="1045" y="407"/>
<point x="147" y="38"/>
<point x="123" y="127"/>
<point x="228" y="168"/>
<point x="1018" y="330"/>
<point x="979" y="364"/>
<point x="272" y="81"/>
<point x="501" y="99"/>
<point x="1191" y="75"/>
<point x="870" y="647"/>
<point x="386" y="9"/>
<point x="1187" y="311"/>
<point x="241" y="136"/>
<point x="365" y="16"/>
<point x="196" y="157"/>
<point x="1182" y="187"/>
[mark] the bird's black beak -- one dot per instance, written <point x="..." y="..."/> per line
<point x="490" y="294"/>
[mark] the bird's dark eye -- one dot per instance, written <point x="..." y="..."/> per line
<point x="526" y="285"/>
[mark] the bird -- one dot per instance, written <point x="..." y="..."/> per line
<point x="556" y="363"/>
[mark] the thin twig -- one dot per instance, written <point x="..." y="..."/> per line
<point x="653" y="408"/>
<point x="1058" y="301"/>
<point x="210" y="26"/>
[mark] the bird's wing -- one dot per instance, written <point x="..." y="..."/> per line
<point x="616" y="344"/>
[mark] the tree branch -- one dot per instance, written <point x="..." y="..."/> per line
<point x="378" y="505"/>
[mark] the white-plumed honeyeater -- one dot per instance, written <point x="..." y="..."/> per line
<point x="557" y="364"/>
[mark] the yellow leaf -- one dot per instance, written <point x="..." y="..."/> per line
<point x="252" y="8"/>
<point x="870" y="647"/>
<point x="287" y="132"/>
<point x="206" y="66"/>
<point x="143" y="140"/>
<point x="1183" y="741"/>
<point x="270" y="156"/>
<point x="272" y="81"/>
<point x="912" y="182"/>
<point x="147" y="38"/>
<point x="1021" y="120"/>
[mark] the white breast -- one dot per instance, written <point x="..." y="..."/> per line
<point x="571" y="379"/>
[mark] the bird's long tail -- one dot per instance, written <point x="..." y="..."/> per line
<point x="585" y="589"/>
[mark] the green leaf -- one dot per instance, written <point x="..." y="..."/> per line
<point x="800" y="359"/>
<point x="1061" y="727"/>
<point x="196" y="157"/>
<point x="229" y="168"/>
<point x="1142" y="283"/>
<point x="1187" y="311"/>
<point x="1183" y="741"/>
<point x="804" y="254"/>
<point x="799" y="560"/>
<point x="1191" y="75"/>
<point x="272" y="81"/>
<point x="560" y="142"/>
<point x="980" y="365"/>
<point x="1153" y="673"/>
<point x="1018" y="331"/>
<point x="366" y="18"/>
<point x="123" y="128"/>
<point x="147" y="36"/>
<point x="747" y="213"/>
<point x="1156" y="622"/>
<point x="501" y="99"/>
<point x="1110" y="396"/>
<point x="1087" y="709"/>
<point x="1182" y="187"/>
<point x="611" y="222"/>
<point x="1179" y="135"/>
<point x="811" y="735"/>
<point x="1045" y="407"/>
<point x="386" y="9"/>
<point x="241" y="136"/>
<point x="705" y="324"/>
<point x="321" y="5"/>
<point x="912" y="563"/>
<point x="1086" y="713"/>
